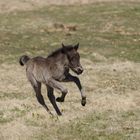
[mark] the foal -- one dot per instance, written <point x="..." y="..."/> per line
<point x="53" y="70"/>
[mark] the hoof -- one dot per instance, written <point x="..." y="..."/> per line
<point x="59" y="99"/>
<point x="83" y="102"/>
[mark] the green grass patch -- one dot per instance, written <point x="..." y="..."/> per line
<point x="8" y="115"/>
<point x="110" y="29"/>
<point x="98" y="126"/>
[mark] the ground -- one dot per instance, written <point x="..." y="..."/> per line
<point x="109" y="37"/>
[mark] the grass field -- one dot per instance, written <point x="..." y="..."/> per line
<point x="109" y="37"/>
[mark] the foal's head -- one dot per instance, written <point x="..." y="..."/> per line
<point x="73" y="57"/>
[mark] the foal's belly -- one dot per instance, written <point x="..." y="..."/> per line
<point x="59" y="76"/>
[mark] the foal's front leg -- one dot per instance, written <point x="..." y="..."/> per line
<point x="71" y="78"/>
<point x="55" y="84"/>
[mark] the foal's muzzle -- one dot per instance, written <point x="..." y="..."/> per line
<point x="79" y="70"/>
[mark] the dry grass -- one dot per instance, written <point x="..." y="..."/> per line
<point x="108" y="86"/>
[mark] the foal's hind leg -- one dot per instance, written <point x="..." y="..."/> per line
<point x="52" y="99"/>
<point x="55" y="84"/>
<point x="71" y="78"/>
<point x="37" y="88"/>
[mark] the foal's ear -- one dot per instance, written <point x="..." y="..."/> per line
<point x="76" y="46"/>
<point x="63" y="45"/>
<point x="64" y="48"/>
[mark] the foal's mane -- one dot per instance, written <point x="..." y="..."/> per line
<point x="60" y="50"/>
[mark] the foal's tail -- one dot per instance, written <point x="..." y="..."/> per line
<point x="23" y="60"/>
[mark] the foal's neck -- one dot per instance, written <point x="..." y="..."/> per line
<point x="63" y="59"/>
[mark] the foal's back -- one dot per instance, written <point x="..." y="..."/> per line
<point x="44" y="68"/>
